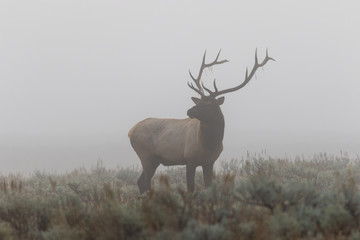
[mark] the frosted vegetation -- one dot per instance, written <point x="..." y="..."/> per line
<point x="254" y="198"/>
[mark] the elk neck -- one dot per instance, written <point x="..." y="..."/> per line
<point x="213" y="131"/>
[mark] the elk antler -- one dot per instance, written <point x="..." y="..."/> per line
<point x="247" y="77"/>
<point x="200" y="86"/>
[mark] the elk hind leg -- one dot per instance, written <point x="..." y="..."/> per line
<point x="141" y="183"/>
<point x="149" y="168"/>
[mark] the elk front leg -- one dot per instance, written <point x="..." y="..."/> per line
<point x="207" y="174"/>
<point x="190" y="177"/>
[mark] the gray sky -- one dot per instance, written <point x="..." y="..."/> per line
<point x="75" y="76"/>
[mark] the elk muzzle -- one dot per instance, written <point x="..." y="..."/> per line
<point x="192" y="112"/>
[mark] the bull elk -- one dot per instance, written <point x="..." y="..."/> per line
<point x="194" y="141"/>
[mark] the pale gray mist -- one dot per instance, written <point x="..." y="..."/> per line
<point x="75" y="76"/>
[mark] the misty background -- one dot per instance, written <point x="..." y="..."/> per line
<point x="76" y="75"/>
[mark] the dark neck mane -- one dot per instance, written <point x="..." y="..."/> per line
<point x="213" y="132"/>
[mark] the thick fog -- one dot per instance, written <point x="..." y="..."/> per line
<point x="75" y="76"/>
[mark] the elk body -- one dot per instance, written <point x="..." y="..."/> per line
<point x="194" y="141"/>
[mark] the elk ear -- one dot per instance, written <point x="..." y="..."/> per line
<point x="195" y="100"/>
<point x="220" y="100"/>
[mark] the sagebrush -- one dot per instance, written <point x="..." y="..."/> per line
<point x="257" y="197"/>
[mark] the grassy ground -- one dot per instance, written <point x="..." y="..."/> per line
<point x="254" y="198"/>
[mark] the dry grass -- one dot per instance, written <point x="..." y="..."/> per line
<point x="254" y="198"/>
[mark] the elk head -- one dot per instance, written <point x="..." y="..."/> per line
<point x="207" y="107"/>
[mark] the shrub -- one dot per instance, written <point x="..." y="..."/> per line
<point x="257" y="197"/>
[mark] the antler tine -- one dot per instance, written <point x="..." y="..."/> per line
<point x="248" y="76"/>
<point x="215" y="87"/>
<point x="192" y="77"/>
<point x="217" y="56"/>
<point x="197" y="80"/>
<point x="195" y="89"/>
<point x="256" y="57"/>
<point x="204" y="57"/>
<point x="216" y="60"/>
<point x="267" y="56"/>
<point x="208" y="90"/>
<point x="199" y="89"/>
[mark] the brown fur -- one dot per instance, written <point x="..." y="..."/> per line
<point x="172" y="142"/>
